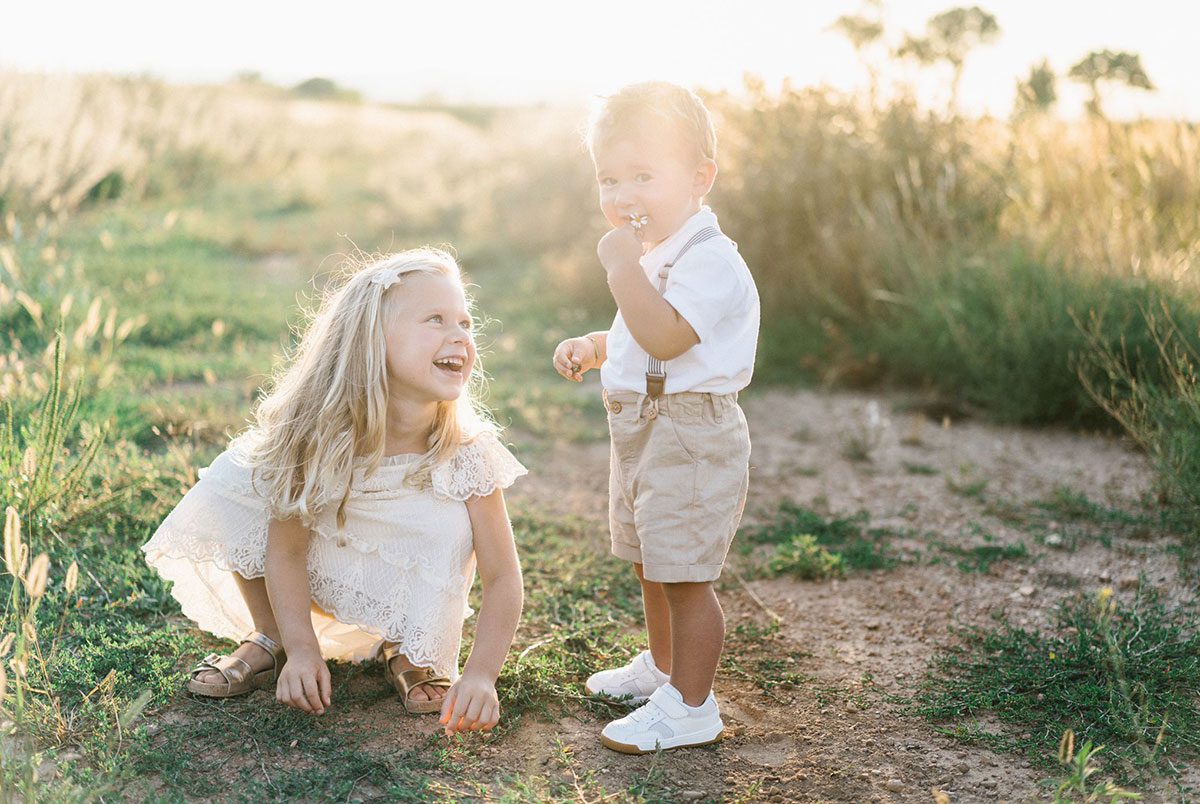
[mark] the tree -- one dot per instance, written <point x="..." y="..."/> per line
<point x="325" y="89"/>
<point x="1037" y="93"/>
<point x="949" y="37"/>
<point x="863" y="30"/>
<point x="1113" y="66"/>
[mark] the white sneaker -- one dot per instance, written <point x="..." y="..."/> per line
<point x="665" y="722"/>
<point x="635" y="681"/>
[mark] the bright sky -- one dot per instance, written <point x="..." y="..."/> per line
<point x="557" y="50"/>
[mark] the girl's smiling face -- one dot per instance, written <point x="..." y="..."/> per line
<point x="641" y="175"/>
<point x="430" y="343"/>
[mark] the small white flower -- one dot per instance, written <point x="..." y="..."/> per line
<point x="638" y="221"/>
<point x="874" y="418"/>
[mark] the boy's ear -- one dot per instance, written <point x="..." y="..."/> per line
<point x="702" y="181"/>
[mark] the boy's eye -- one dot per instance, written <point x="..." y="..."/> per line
<point x="467" y="324"/>
<point x="607" y="182"/>
<point x="643" y="177"/>
<point x="437" y="319"/>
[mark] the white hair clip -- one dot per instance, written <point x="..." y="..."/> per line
<point x="387" y="278"/>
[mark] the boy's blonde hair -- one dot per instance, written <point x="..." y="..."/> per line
<point x="329" y="404"/>
<point x="658" y="104"/>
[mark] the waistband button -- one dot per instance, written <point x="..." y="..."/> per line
<point x="614" y="407"/>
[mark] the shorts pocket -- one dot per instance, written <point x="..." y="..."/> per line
<point x="686" y="438"/>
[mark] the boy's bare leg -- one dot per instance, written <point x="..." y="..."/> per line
<point x="697" y="636"/>
<point x="658" y="620"/>
<point x="254" y="592"/>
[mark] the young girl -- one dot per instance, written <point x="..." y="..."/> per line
<point x="347" y="521"/>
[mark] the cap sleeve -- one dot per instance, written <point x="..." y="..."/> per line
<point x="478" y="468"/>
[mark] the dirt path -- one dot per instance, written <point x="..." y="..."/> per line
<point x="837" y="738"/>
<point x="850" y="646"/>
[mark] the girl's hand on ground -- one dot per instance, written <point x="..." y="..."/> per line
<point x="574" y="357"/>
<point x="304" y="683"/>
<point x="470" y="705"/>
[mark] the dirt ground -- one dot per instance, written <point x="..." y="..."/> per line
<point x="839" y="737"/>
<point x="885" y="624"/>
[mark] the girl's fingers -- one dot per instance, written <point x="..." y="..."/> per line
<point x="324" y="686"/>
<point x="448" y="709"/>
<point x="298" y="699"/>
<point x="294" y="696"/>
<point x="454" y="722"/>
<point x="312" y="694"/>
<point x="473" y="713"/>
<point x="284" y="692"/>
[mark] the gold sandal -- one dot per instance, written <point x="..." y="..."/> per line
<point x="408" y="680"/>
<point x="239" y="677"/>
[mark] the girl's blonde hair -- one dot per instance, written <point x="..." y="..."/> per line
<point x="326" y="413"/>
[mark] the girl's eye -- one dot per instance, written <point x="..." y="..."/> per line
<point x="643" y="177"/>
<point x="466" y="324"/>
<point x="607" y="182"/>
<point x="437" y="319"/>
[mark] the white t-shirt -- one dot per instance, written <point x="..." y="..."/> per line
<point x="712" y="289"/>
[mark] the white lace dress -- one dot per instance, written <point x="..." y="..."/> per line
<point x="399" y="570"/>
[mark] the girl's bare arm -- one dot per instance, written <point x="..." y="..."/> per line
<point x="304" y="682"/>
<point x="473" y="703"/>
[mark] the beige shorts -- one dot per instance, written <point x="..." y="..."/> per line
<point x="678" y="474"/>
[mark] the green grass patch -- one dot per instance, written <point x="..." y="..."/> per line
<point x="805" y="559"/>
<point x="971" y="489"/>
<point x="1125" y="675"/>
<point x="981" y="557"/>
<point x="1069" y="505"/>
<point x="802" y="538"/>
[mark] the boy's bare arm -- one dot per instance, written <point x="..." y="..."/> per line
<point x="654" y="323"/>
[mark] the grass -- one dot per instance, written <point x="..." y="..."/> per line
<point x="1123" y="674"/>
<point x="1067" y="518"/>
<point x="981" y="557"/>
<point x="806" y="545"/>
<point x="803" y="558"/>
<point x="811" y="546"/>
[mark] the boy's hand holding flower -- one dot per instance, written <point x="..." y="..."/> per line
<point x="618" y="249"/>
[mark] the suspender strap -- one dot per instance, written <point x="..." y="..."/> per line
<point x="656" y="373"/>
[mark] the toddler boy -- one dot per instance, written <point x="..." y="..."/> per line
<point x="678" y="352"/>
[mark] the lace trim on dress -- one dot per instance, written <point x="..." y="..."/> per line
<point x="476" y="469"/>
<point x="430" y="644"/>
<point x="384" y="612"/>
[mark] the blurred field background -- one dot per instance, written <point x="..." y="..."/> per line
<point x="1037" y="270"/>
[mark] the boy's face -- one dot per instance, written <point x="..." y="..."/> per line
<point x="641" y="175"/>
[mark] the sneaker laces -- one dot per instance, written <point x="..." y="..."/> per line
<point x="647" y="712"/>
